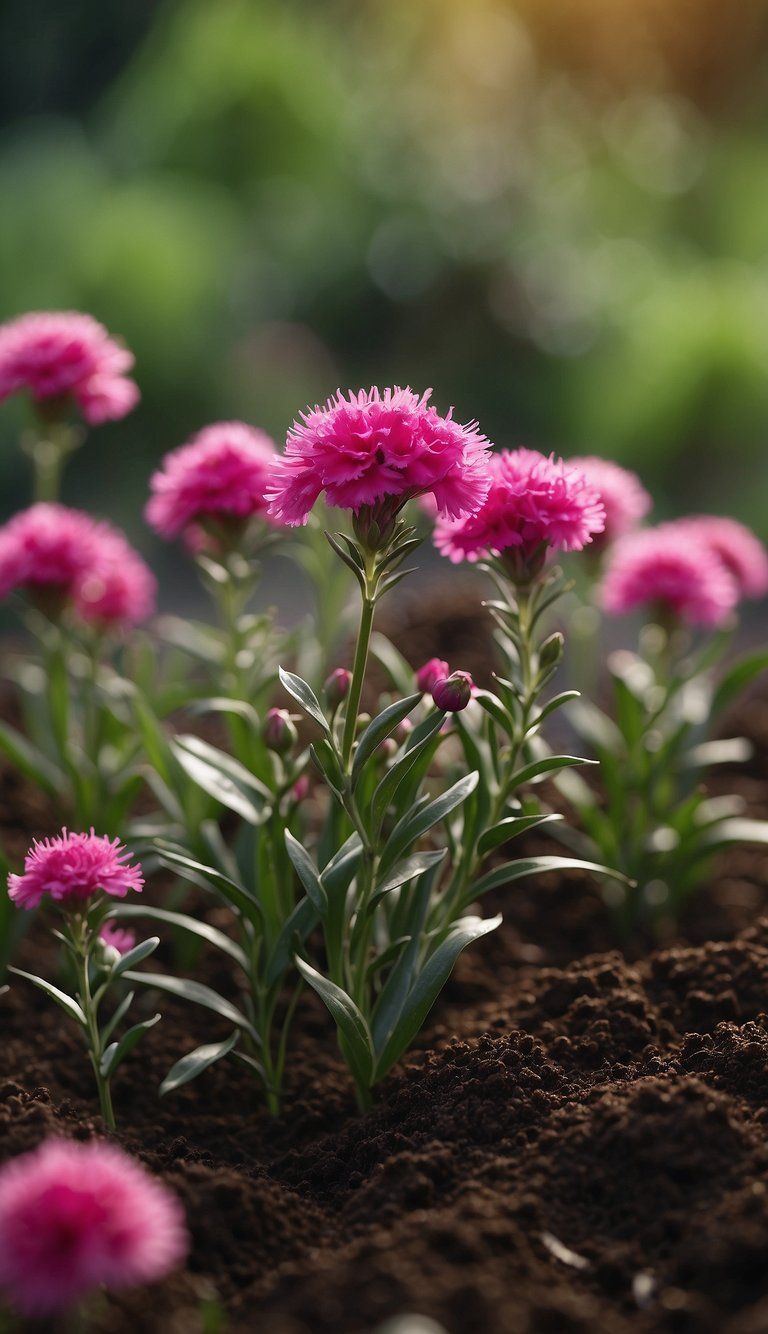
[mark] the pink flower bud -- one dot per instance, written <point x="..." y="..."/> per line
<point x="278" y="731"/>
<point x="453" y="693"/>
<point x="300" y="789"/>
<point x="336" y="687"/>
<point x="432" y="671"/>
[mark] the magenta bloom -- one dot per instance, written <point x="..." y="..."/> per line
<point x="370" y="446"/>
<point x="63" y="354"/>
<point x="453" y="693"/>
<point x="533" y="501"/>
<point x="221" y="472"/>
<point x="625" y="498"/>
<point x="119" y="938"/>
<point x="45" y="546"/>
<point x="72" y="868"/>
<point x="117" y="587"/>
<point x="434" y="670"/>
<point x="742" y="554"/>
<point x="670" y="566"/>
<point x="74" y="1217"/>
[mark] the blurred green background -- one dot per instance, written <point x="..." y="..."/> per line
<point x="555" y="212"/>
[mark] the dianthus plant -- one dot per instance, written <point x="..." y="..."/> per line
<point x="396" y="868"/>
<point x="654" y="819"/>
<point x="80" y="874"/>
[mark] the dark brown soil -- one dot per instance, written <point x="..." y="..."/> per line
<point x="578" y="1143"/>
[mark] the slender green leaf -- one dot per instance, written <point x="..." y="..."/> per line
<point x="135" y="955"/>
<point x="337" y="874"/>
<point x="119" y="1014"/>
<point x="734" y="750"/>
<point x="198" y="994"/>
<point x="399" y="669"/>
<point x="208" y="878"/>
<point x="427" y="987"/>
<point x="379" y="729"/>
<point x="116" y="1052"/>
<point x="307" y="872"/>
<point x="349" y="1022"/>
<point x="298" y="925"/>
<point x="61" y="998"/>
<point x="415" y="823"/>
<point x="550" y="764"/>
<point x="195" y="1062"/>
<point x="504" y="875"/>
<point x="406" y="870"/>
<point x="305" y="696"/>
<point x="511" y="828"/>
<point x="389" y="784"/>
<point x="193" y="925"/>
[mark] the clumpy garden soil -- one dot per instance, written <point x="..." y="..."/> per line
<point x="578" y="1143"/>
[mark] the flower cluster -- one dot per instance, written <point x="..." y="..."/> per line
<point x="60" y="355"/>
<point x="50" y="550"/>
<point x="72" y="868"/>
<point x="368" y="447"/>
<point x="698" y="568"/>
<point x="220" y="473"/>
<point x="75" y="1217"/>
<point x="533" y="501"/>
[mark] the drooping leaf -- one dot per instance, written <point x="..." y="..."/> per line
<point x="549" y="764"/>
<point x="195" y="1062"/>
<point x="198" y="994"/>
<point x="504" y="875"/>
<point x="511" y="828"/>
<point x="61" y="998"/>
<point x="194" y="925"/>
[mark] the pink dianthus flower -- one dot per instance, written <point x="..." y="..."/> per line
<point x="74" y="1217"/>
<point x="741" y="552"/>
<point x="65" y="354"/>
<point x="670" y="566"/>
<point x="222" y="471"/>
<point x="45" y="546"/>
<point x="71" y="868"/>
<point x="117" y="587"/>
<point x="625" y="498"/>
<point x="372" y="446"/>
<point x="533" y="500"/>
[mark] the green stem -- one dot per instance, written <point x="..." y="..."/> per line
<point x="92" y="1034"/>
<point x="358" y="671"/>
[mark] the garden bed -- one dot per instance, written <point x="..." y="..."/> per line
<point x="578" y="1141"/>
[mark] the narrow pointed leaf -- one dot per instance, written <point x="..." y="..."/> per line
<point x="504" y="875"/>
<point x="117" y="1051"/>
<point x="737" y="678"/>
<point x="511" y="828"/>
<point x="416" y="823"/>
<point x="305" y="696"/>
<point x="307" y="872"/>
<point x="389" y="784"/>
<point x="31" y="761"/>
<point x="348" y="1019"/>
<point x="427" y="987"/>
<point x="193" y="925"/>
<point x="61" y="998"/>
<point x="195" y="1062"/>
<point x="135" y="955"/>
<point x="302" y="920"/>
<point x="406" y="870"/>
<point x="550" y="764"/>
<point x="379" y="729"/>
<point x="198" y="994"/>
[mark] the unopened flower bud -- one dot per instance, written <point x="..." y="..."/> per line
<point x="551" y="651"/>
<point x="432" y="671"/>
<point x="278" y="731"/>
<point x="403" y="730"/>
<point x="387" y="748"/>
<point x="300" y="789"/>
<point x="336" y="687"/>
<point x="453" y="693"/>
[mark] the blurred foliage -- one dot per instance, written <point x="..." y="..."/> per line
<point x="553" y="211"/>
